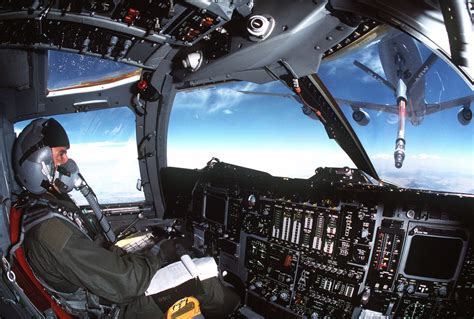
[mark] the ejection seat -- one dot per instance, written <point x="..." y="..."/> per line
<point x="185" y="308"/>
<point x="25" y="278"/>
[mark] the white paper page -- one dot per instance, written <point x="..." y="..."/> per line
<point x="189" y="264"/>
<point x="168" y="277"/>
<point x="177" y="273"/>
<point x="207" y="267"/>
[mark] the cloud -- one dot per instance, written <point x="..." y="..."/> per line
<point x="212" y="100"/>
<point x="424" y="156"/>
<point x="110" y="168"/>
<point x="382" y="156"/>
<point x="301" y="163"/>
<point x="428" y="171"/>
<point x="227" y="112"/>
<point x="429" y="180"/>
<point x="116" y="130"/>
<point x="413" y="161"/>
<point x="295" y="163"/>
<point x="368" y="56"/>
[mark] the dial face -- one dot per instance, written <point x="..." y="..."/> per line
<point x="360" y="254"/>
<point x="414" y="310"/>
<point x="103" y="6"/>
<point x="252" y="200"/>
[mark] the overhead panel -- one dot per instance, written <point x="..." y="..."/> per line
<point x="126" y="31"/>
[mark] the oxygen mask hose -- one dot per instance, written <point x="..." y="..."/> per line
<point x="87" y="192"/>
<point x="68" y="178"/>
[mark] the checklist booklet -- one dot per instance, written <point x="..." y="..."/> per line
<point x="181" y="271"/>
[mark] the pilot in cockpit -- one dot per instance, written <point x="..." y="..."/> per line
<point x="88" y="278"/>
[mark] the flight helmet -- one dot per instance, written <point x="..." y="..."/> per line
<point x="32" y="156"/>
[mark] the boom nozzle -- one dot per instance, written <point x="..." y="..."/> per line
<point x="399" y="153"/>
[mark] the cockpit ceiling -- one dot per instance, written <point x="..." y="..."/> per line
<point x="221" y="41"/>
<point x="16" y="64"/>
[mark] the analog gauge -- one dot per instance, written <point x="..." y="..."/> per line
<point x="360" y="254"/>
<point x="252" y="200"/>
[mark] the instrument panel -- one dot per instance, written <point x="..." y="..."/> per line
<point x="315" y="248"/>
<point x="184" y="37"/>
<point x="127" y="31"/>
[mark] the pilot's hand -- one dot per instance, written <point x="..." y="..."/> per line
<point x="171" y="250"/>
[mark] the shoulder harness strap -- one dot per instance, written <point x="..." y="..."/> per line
<point x="80" y="303"/>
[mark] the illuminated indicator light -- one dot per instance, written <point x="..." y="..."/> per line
<point x="131" y="15"/>
<point x="191" y="34"/>
<point x="207" y="22"/>
<point x="128" y="19"/>
<point x="133" y="12"/>
<point x="288" y="260"/>
<point x="142" y="85"/>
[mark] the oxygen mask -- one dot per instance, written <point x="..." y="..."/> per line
<point x="67" y="178"/>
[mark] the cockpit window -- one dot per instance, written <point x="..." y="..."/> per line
<point x="104" y="146"/>
<point x="256" y="126"/>
<point x="437" y="137"/>
<point x="75" y="71"/>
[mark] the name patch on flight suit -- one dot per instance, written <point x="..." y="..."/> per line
<point x="55" y="233"/>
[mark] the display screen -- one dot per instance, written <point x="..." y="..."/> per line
<point x="215" y="208"/>
<point x="433" y="257"/>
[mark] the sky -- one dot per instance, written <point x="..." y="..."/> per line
<point x="439" y="151"/>
<point x="271" y="133"/>
<point x="66" y="70"/>
<point x="266" y="133"/>
<point x="103" y="144"/>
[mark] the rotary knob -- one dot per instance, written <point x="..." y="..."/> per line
<point x="364" y="233"/>
<point x="365" y="297"/>
<point x="410" y="289"/>
<point x="400" y="287"/>
<point x="284" y="296"/>
<point x="442" y="291"/>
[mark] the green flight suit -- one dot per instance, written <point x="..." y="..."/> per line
<point x="66" y="259"/>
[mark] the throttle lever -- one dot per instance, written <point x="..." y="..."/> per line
<point x="140" y="216"/>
